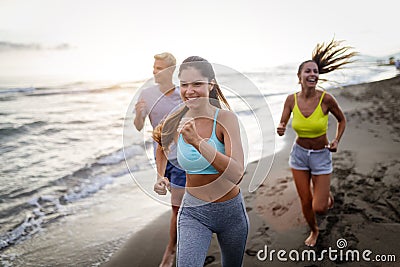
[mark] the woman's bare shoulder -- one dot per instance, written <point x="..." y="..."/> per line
<point x="328" y="98"/>
<point x="227" y="117"/>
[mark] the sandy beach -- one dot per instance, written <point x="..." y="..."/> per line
<point x="365" y="185"/>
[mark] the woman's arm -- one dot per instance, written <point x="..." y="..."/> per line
<point x="335" y="109"/>
<point x="162" y="183"/>
<point x="287" y="110"/>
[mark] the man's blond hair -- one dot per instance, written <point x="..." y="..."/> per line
<point x="167" y="57"/>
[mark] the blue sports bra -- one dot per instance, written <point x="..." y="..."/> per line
<point x="191" y="160"/>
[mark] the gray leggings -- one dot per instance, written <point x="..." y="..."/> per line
<point x="198" y="220"/>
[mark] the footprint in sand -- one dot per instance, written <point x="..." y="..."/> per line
<point x="276" y="190"/>
<point x="278" y="209"/>
<point x="208" y="260"/>
<point x="248" y="200"/>
<point x="258" y="240"/>
<point x="344" y="162"/>
<point x="279" y="187"/>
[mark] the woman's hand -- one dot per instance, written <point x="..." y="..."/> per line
<point x="281" y="128"/>
<point x="333" y="146"/>
<point x="162" y="185"/>
<point x="187" y="127"/>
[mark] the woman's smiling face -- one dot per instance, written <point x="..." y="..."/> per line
<point x="195" y="88"/>
<point x="309" y="74"/>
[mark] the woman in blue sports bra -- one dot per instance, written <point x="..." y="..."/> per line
<point x="310" y="158"/>
<point x="209" y="148"/>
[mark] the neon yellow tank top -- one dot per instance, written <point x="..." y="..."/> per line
<point x="314" y="125"/>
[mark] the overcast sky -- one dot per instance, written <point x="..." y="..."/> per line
<point x="123" y="35"/>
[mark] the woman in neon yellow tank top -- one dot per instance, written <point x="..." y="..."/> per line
<point x="310" y="158"/>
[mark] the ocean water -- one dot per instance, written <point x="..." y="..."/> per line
<point x="76" y="177"/>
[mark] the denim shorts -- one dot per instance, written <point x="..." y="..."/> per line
<point x="316" y="161"/>
<point x="175" y="175"/>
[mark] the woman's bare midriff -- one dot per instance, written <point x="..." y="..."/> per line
<point x="313" y="143"/>
<point x="201" y="186"/>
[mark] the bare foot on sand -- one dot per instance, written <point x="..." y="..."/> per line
<point x="312" y="239"/>
<point x="168" y="258"/>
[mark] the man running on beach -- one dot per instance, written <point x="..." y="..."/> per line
<point x="156" y="102"/>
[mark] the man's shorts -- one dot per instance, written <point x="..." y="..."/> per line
<point x="175" y="175"/>
<point x="316" y="161"/>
